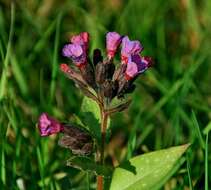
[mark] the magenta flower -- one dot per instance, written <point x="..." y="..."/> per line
<point x="48" y="125"/>
<point x="113" y="40"/>
<point x="81" y="39"/>
<point x="129" y="48"/>
<point x="76" y="53"/>
<point x="137" y="65"/>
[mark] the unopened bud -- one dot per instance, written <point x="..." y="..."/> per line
<point x="104" y="71"/>
<point x="119" y="71"/>
<point x="87" y="73"/>
<point x="110" y="88"/>
<point x="125" y="86"/>
<point x="97" y="57"/>
<point x="77" y="140"/>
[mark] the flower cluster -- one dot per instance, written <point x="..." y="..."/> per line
<point x="99" y="79"/>
<point x="102" y="75"/>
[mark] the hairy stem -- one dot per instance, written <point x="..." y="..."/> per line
<point x="104" y="120"/>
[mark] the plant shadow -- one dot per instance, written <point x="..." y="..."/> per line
<point x="129" y="167"/>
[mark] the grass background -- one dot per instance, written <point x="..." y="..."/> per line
<point x="171" y="104"/>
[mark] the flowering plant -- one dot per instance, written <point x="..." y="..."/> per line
<point x="104" y="83"/>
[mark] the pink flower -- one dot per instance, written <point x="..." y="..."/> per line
<point x="137" y="65"/>
<point x="76" y="53"/>
<point x="113" y="40"/>
<point x="129" y="48"/>
<point x="81" y="39"/>
<point x="48" y="125"/>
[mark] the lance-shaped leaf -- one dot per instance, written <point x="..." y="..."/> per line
<point x="86" y="164"/>
<point x="148" y="171"/>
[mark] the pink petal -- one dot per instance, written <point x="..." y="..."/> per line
<point x="113" y="40"/>
<point x="129" y="48"/>
<point x="131" y="70"/>
<point x="48" y="125"/>
<point x="76" y="53"/>
<point x="81" y="39"/>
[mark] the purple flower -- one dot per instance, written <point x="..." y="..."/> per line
<point x="76" y="53"/>
<point x="48" y="125"/>
<point x="113" y="40"/>
<point x="137" y="65"/>
<point x="81" y="39"/>
<point x="129" y="48"/>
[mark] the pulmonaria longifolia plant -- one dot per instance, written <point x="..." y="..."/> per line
<point x="102" y="81"/>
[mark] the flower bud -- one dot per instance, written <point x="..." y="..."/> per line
<point x="123" y="84"/>
<point x="87" y="73"/>
<point x="113" y="40"/>
<point x="119" y="72"/>
<point x="77" y="140"/>
<point x="110" y="88"/>
<point x="97" y="57"/>
<point x="48" y="125"/>
<point x="104" y="70"/>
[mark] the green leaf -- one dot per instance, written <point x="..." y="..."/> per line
<point x="148" y="171"/>
<point x="86" y="164"/>
<point x="90" y="112"/>
<point x="90" y="106"/>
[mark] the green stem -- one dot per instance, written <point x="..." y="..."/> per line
<point x="104" y="121"/>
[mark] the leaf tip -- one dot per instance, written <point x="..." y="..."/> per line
<point x="185" y="146"/>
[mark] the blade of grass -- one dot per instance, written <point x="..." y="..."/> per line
<point x="165" y="99"/>
<point x="206" y="163"/>
<point x="1" y="51"/>
<point x="3" y="32"/>
<point x="41" y="88"/>
<point x="41" y="42"/>
<point x="132" y="138"/>
<point x="19" y="75"/>
<point x="197" y="128"/>
<point x="41" y="167"/>
<point x="3" y="169"/>
<point x="207" y="128"/>
<point x="144" y="135"/>
<point x="189" y="172"/>
<point x="55" y="58"/>
<point x="3" y="82"/>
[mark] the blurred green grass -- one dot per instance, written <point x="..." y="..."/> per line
<point x="171" y="105"/>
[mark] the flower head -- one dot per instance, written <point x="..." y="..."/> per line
<point x="137" y="65"/>
<point x="81" y="39"/>
<point x="48" y="125"/>
<point x="129" y="48"/>
<point x="76" y="53"/>
<point x="113" y="40"/>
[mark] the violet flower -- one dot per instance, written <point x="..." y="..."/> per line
<point x="76" y="53"/>
<point x="137" y="65"/>
<point x="129" y="48"/>
<point x="113" y="40"/>
<point x="48" y="125"/>
<point x="81" y="39"/>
